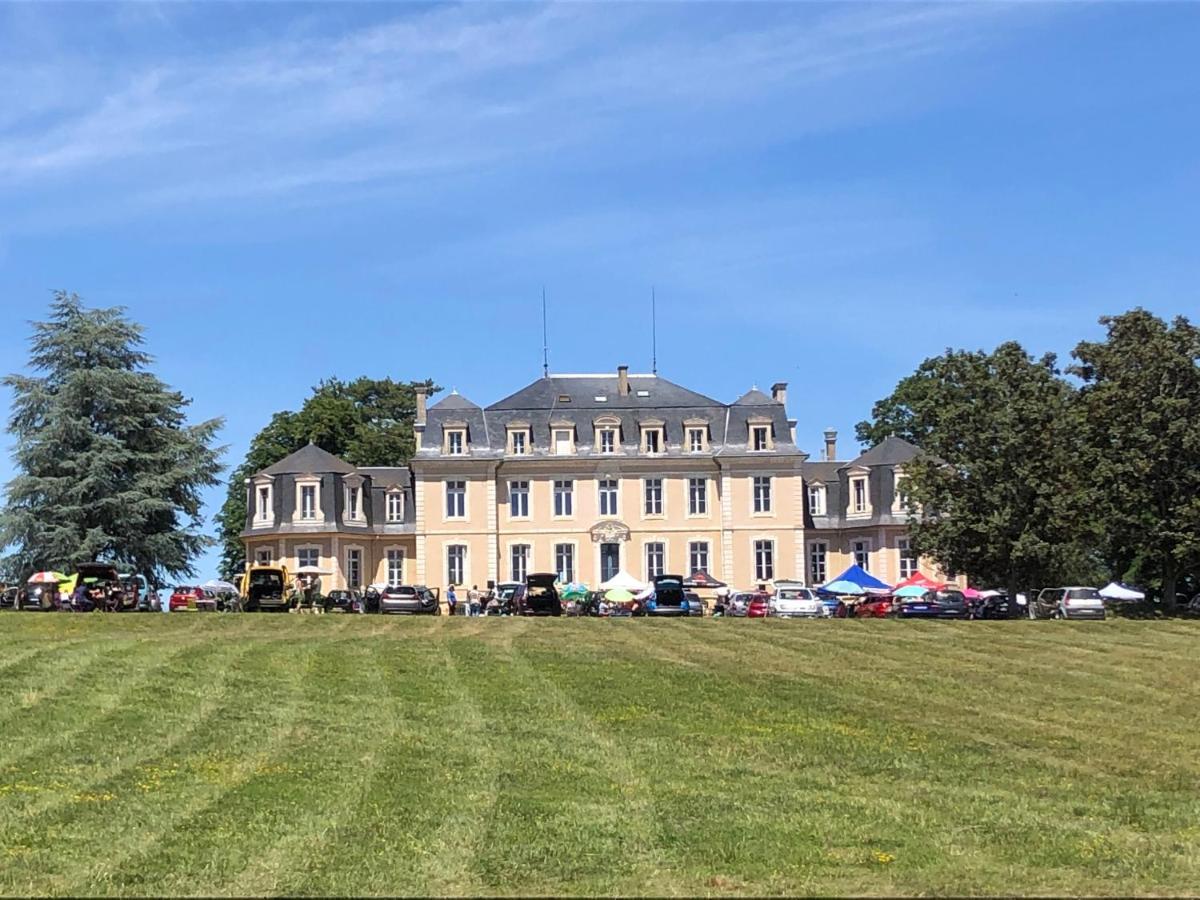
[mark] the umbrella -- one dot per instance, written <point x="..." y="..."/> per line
<point x="311" y="570"/>
<point x="623" y="581"/>
<point x="1117" y="591"/>
<point x="47" y="578"/>
<point x="218" y="586"/>
<point x="912" y="590"/>
<point x="618" y="595"/>
<point x="971" y="593"/>
<point x="572" y="591"/>
<point x="702" y="580"/>
<point x="841" y="586"/>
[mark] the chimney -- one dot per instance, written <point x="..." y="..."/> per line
<point x="422" y="394"/>
<point x="623" y="381"/>
<point x="830" y="445"/>
<point x="779" y="392"/>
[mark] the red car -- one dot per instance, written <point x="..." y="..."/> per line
<point x="185" y="597"/>
<point x="757" y="609"/>
<point x="875" y="608"/>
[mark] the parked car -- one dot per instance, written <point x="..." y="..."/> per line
<point x="935" y="604"/>
<point x="370" y="598"/>
<point x="191" y="597"/>
<point x="8" y="598"/>
<point x="1067" y="603"/>
<point x="540" y="597"/>
<point x="696" y="606"/>
<point x="343" y="601"/>
<point x="996" y="605"/>
<point x="145" y="599"/>
<point x="670" y="599"/>
<point x="265" y="588"/>
<point x="759" y="606"/>
<point x="410" y="599"/>
<point x="793" y="600"/>
<point x="875" y="607"/>
<point x="738" y="604"/>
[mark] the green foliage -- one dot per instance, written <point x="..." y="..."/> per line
<point x="1140" y="403"/>
<point x="367" y="422"/>
<point x="998" y="493"/>
<point x="108" y="466"/>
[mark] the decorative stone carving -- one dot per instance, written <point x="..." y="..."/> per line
<point x="609" y="532"/>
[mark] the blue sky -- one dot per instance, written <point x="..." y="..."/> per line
<point x="820" y="194"/>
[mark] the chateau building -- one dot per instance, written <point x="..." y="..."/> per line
<point x="586" y="475"/>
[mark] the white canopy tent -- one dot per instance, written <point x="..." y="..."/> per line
<point x="220" y="586"/>
<point x="1114" y="591"/>
<point x="625" y="582"/>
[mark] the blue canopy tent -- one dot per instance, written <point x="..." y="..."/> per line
<point x="854" y="576"/>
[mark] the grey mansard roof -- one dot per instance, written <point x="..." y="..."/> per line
<point x="309" y="460"/>
<point x="882" y="460"/>
<point x="578" y="401"/>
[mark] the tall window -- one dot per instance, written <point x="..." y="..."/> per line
<point x="696" y="440"/>
<point x="395" y="506"/>
<point x="858" y="495"/>
<point x="698" y="496"/>
<point x="519" y="557"/>
<point x="608" y="440"/>
<point x="353" y="503"/>
<point x="564" y="562"/>
<point x="395" y="567"/>
<point x="308" y="501"/>
<point x="760" y="437"/>
<point x="456" y="559"/>
<point x="518" y="499"/>
<point x="562" y="441"/>
<point x="698" y="556"/>
<point x="353" y="568"/>
<point x="862" y="555"/>
<point x="652" y="440"/>
<point x="564" y="498"/>
<point x="762" y="493"/>
<point x="263" y="557"/>
<point x="656" y="556"/>
<point x="908" y="559"/>
<point x="456" y="499"/>
<point x="764" y="560"/>
<point x="519" y="445"/>
<point x="308" y="556"/>
<point x="608" y="497"/>
<point x="818" y="551"/>
<point x="455" y="443"/>
<point x="901" y="501"/>
<point x="654" y="496"/>
<point x="816" y="499"/>
<point x="264" y="503"/>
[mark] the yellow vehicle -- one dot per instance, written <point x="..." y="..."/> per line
<point x="265" y="588"/>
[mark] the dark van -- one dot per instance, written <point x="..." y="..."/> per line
<point x="540" y="597"/>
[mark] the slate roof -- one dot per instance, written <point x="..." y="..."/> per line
<point x="308" y="460"/>
<point x="882" y="459"/>
<point x="891" y="451"/>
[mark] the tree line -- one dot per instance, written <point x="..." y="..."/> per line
<point x="1033" y="476"/>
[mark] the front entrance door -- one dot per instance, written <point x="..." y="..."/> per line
<point x="610" y="561"/>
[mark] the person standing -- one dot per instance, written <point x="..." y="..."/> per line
<point x="452" y="600"/>
<point x="473" y="600"/>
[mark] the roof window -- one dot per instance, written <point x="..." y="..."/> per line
<point x="643" y="393"/>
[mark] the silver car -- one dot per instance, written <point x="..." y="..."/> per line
<point x="1067" y="603"/>
<point x="795" y="601"/>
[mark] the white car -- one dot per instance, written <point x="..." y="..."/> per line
<point x="795" y="601"/>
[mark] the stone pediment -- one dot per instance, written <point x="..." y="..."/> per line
<point x="609" y="532"/>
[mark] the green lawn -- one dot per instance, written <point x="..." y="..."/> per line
<point x="257" y="754"/>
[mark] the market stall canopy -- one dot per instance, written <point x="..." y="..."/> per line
<point x="919" y="580"/>
<point x="47" y="578"/>
<point x="840" y="586"/>
<point x="971" y="593"/>
<point x="702" y="580"/>
<point x="858" y="576"/>
<point x="911" y="590"/>
<point x="216" y="585"/>
<point x="1116" y="591"/>
<point x="622" y="581"/>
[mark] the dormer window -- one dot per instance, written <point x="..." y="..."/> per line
<point x="760" y="438"/>
<point x="308" y="502"/>
<point x="697" y="439"/>
<point x="308" y="499"/>
<point x="652" y="438"/>
<point x="563" y="438"/>
<point x="859" y="504"/>
<point x="608" y="440"/>
<point x="608" y="431"/>
<point x="518" y="442"/>
<point x="816" y="499"/>
<point x="264" y="505"/>
<point x="900" y="500"/>
<point x="456" y="441"/>
<point x="394" y="506"/>
<point x="354" y="504"/>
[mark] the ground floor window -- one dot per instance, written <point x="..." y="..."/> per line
<point x="519" y="557"/>
<point x="354" y="568"/>
<point x="263" y="556"/>
<point x="698" y="557"/>
<point x="656" y="559"/>
<point x="908" y="559"/>
<point x="862" y="555"/>
<point x="764" y="560"/>
<point x="564" y="562"/>
<point x="456" y="559"/>
<point x="308" y="556"/>
<point x="818" y="551"/>
<point x="395" y="568"/>
<point x="610" y="561"/>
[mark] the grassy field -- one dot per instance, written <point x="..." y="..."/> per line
<point x="331" y="755"/>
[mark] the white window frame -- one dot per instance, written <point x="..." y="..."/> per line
<point x="816" y="500"/>
<point x="606" y="440"/>
<point x="563" y="492"/>
<point x="393" y="566"/>
<point x="462" y="563"/>
<point x="646" y="548"/>
<point x="856" y="482"/>
<point x="697" y="510"/>
<point x="394" y="507"/>
<point x="612" y="493"/>
<point x="303" y="551"/>
<point x="523" y="552"/>
<point x="350" y="582"/>
<point x="355" y="513"/>
<point x="561" y="449"/>
<point x="865" y="565"/>
<point x="260" y="559"/>
<point x="458" y="511"/>
<point x="558" y="548"/>
<point x="264" y="505"/>
<point x="763" y="573"/>
<point x="813" y="547"/>
<point x="318" y="514"/>
<point x="907" y="564"/>
<point x="518" y="442"/>
<point x="647" y="513"/>
<point x="456" y="442"/>
<point x="764" y="430"/>
<point x="899" y="493"/>
<point x="694" y="554"/>
<point x="660" y="439"/>
<point x="762" y="503"/>
<point x="515" y="512"/>
<point x="694" y="432"/>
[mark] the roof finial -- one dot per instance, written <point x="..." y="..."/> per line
<point x="653" y="331"/>
<point x="545" y="340"/>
